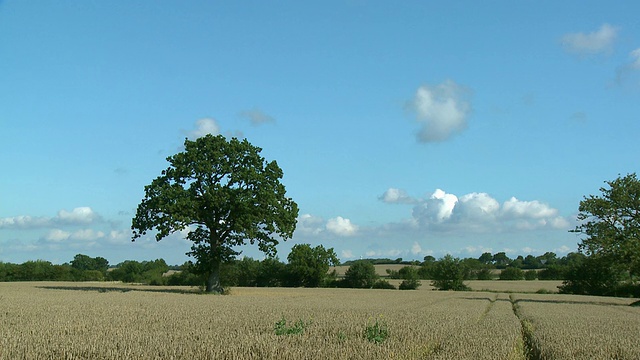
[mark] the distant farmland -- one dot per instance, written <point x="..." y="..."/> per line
<point x="57" y="320"/>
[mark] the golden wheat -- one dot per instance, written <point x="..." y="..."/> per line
<point x="114" y="321"/>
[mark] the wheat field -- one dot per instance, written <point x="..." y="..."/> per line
<point x="115" y="321"/>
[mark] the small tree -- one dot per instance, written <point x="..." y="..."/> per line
<point x="449" y="274"/>
<point x="361" y="274"/>
<point x="226" y="195"/>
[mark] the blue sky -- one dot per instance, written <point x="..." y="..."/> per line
<point x="404" y="129"/>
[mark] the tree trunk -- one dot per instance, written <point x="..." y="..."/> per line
<point x="213" y="282"/>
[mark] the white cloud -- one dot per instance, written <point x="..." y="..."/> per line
<point x="309" y="225"/>
<point x="341" y="226"/>
<point x="57" y="235"/>
<point x="416" y="249"/>
<point x="595" y="42"/>
<point x="514" y="208"/>
<point x="79" y="215"/>
<point x="257" y="116"/>
<point x="24" y="221"/>
<point x="436" y="209"/>
<point x="347" y="254"/>
<point x="480" y="213"/>
<point x="86" y="235"/>
<point x="396" y="196"/>
<point x="204" y="127"/>
<point x="442" y="110"/>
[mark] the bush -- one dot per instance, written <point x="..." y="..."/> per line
<point x="530" y="275"/>
<point x="383" y="284"/>
<point x="412" y="284"/>
<point x="594" y="276"/>
<point x="484" y="274"/>
<point x="512" y="273"/>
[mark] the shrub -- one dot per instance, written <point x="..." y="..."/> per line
<point x="512" y="273"/>
<point x="530" y="275"/>
<point x="383" y="284"/>
<point x="412" y="284"/>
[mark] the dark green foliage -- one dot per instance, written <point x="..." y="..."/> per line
<point x="411" y="278"/>
<point x="484" y="274"/>
<point x="383" y="284"/>
<point x="361" y="274"/>
<point x="281" y="328"/>
<point x="83" y="262"/>
<point x="228" y="193"/>
<point x="512" y="273"/>
<point x="553" y="272"/>
<point x="611" y="223"/>
<point x="530" y="275"/>
<point x="146" y="272"/>
<point x="449" y="274"/>
<point x="594" y="276"/>
<point x="309" y="266"/>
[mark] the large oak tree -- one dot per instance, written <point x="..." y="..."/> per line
<point x="225" y="194"/>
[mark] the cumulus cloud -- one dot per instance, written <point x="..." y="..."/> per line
<point x="441" y="110"/>
<point x="257" y="116"/>
<point x="396" y="196"/>
<point x="202" y="128"/>
<point x="309" y="225"/>
<point x="479" y="212"/>
<point x="436" y="209"/>
<point x="77" y="216"/>
<point x="58" y="235"/>
<point x="341" y="226"/>
<point x="595" y="42"/>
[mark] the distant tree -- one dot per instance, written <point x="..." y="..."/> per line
<point x="449" y="274"/>
<point x="486" y="258"/>
<point x="271" y="272"/>
<point x="429" y="259"/>
<point x="227" y="193"/>
<point x="531" y="262"/>
<point x="501" y="260"/>
<point x="361" y="274"/>
<point x="309" y="267"/>
<point x="83" y="262"/>
<point x="548" y="259"/>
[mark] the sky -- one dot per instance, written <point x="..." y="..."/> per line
<point x="404" y="128"/>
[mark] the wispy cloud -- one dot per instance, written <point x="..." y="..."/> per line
<point x="595" y="42"/>
<point x="77" y="216"/>
<point x="257" y="117"/>
<point x="441" y="110"/>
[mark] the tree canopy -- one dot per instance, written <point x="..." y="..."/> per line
<point x="611" y="223"/>
<point x="225" y="194"/>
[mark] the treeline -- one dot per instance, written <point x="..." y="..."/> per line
<point x="308" y="266"/>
